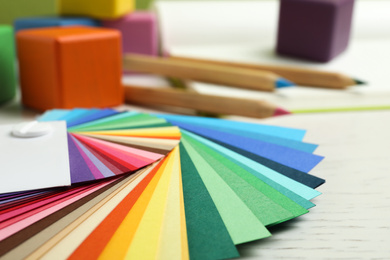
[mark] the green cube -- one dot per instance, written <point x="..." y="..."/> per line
<point x="143" y="4"/>
<point x="14" y="9"/>
<point x="7" y="64"/>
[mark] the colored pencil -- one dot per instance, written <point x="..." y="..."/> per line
<point x="299" y="75"/>
<point x="210" y="73"/>
<point x="201" y="102"/>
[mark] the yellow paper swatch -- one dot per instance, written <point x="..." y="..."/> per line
<point x="119" y="243"/>
<point x="146" y="240"/>
<point x="168" y="132"/>
<point x="170" y="245"/>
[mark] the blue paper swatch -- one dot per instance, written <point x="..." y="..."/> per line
<point x="284" y="132"/>
<point x="290" y="157"/>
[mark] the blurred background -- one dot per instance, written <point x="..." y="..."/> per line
<point x="246" y="31"/>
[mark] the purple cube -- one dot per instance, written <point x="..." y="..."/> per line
<point x="317" y="30"/>
<point x="139" y="32"/>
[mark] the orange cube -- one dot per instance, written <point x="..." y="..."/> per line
<point x="67" y="67"/>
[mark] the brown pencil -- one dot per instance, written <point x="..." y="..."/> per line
<point x="210" y="73"/>
<point x="298" y="75"/>
<point x="201" y="102"/>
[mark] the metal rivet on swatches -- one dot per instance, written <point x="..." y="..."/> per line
<point x="31" y="129"/>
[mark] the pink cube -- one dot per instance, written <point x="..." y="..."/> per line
<point x="139" y="32"/>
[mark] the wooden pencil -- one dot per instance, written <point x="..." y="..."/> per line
<point x="210" y="73"/>
<point x="298" y="75"/>
<point x="201" y="102"/>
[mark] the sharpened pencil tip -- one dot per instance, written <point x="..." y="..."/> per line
<point x="280" y="111"/>
<point x="359" y="82"/>
<point x="282" y="83"/>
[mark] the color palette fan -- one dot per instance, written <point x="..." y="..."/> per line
<point x="161" y="187"/>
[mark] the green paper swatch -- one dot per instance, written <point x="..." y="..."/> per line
<point x="207" y="235"/>
<point x="242" y="224"/>
<point x="259" y="171"/>
<point x="271" y="209"/>
<point x="124" y="120"/>
<point x="340" y="109"/>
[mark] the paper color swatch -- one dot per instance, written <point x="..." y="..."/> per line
<point x="23" y="168"/>
<point x="159" y="187"/>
